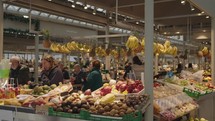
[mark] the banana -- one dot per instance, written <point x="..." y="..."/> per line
<point x="205" y="51"/>
<point x="175" y="51"/>
<point x="167" y="43"/>
<point x="132" y="42"/>
<point x="161" y="49"/>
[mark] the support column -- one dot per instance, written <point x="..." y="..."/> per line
<point x="213" y="49"/>
<point x="148" y="77"/>
<point x="106" y="38"/>
<point x="107" y="41"/>
<point x="36" y="57"/>
<point x="1" y="29"/>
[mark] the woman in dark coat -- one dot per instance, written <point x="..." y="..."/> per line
<point x="94" y="78"/>
<point x="51" y="74"/>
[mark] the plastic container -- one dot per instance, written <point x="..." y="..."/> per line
<point x="137" y="116"/>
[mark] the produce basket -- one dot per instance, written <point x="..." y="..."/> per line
<point x="195" y="94"/>
<point x="51" y="112"/>
<point x="137" y="116"/>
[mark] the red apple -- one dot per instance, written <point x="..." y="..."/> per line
<point x="140" y="87"/>
<point x="123" y="87"/>
<point x="131" y="85"/>
<point x="118" y="84"/>
<point x="135" y="90"/>
<point x="87" y="92"/>
<point x="106" y="90"/>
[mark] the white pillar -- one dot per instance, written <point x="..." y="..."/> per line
<point x="107" y="41"/>
<point x="106" y="38"/>
<point x="148" y="77"/>
<point x="1" y="29"/>
<point x="36" y="57"/>
<point x="213" y="49"/>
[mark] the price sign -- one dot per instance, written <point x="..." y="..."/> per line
<point x="43" y="110"/>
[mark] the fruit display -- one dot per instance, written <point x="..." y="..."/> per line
<point x="203" y="87"/>
<point x="121" y="87"/>
<point x="7" y="93"/>
<point x="171" y="103"/>
<point x="197" y="119"/>
<point x="74" y="104"/>
<point x="178" y="111"/>
<point x="164" y="91"/>
<point x="41" y="90"/>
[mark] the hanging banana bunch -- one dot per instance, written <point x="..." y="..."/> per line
<point x="114" y="53"/>
<point x="205" y="51"/>
<point x="132" y="42"/>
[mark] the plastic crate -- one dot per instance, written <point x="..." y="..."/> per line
<point x="195" y="94"/>
<point x="51" y="112"/>
<point x="137" y="116"/>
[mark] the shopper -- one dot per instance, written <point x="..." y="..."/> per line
<point x="127" y="70"/>
<point x="137" y="67"/>
<point x="64" y="71"/>
<point x="179" y="68"/>
<point x="19" y="73"/>
<point x="51" y="74"/>
<point x="78" y="77"/>
<point x="94" y="78"/>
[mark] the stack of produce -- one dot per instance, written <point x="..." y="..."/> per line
<point x="7" y="93"/>
<point x="197" y="119"/>
<point x="201" y="87"/>
<point x="170" y="103"/>
<point x="121" y="87"/>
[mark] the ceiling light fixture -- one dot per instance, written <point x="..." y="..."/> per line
<point x="110" y="17"/>
<point x="183" y="2"/>
<point x="25" y="16"/>
<point x="165" y="33"/>
<point x="137" y="22"/>
<point x="177" y="32"/>
<point x="199" y="14"/>
<point x="207" y="17"/>
<point x="94" y="11"/>
<point x="202" y="12"/>
<point x="73" y="4"/>
<point x="85" y="5"/>
<point x="49" y="0"/>
<point x="192" y="8"/>
<point x="204" y="30"/>
<point x="125" y="19"/>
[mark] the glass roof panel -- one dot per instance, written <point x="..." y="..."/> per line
<point x="53" y="16"/>
<point x="69" y="20"/>
<point x="95" y="25"/>
<point x="24" y="10"/>
<point x="34" y="12"/>
<point x="100" y="9"/>
<point x="76" y="21"/>
<point x="44" y="14"/>
<point x="13" y="8"/>
<point x="82" y="23"/>
<point x="61" y="18"/>
<point x="79" y="3"/>
<point x="89" y="24"/>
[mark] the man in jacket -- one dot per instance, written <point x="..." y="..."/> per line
<point x="20" y="73"/>
<point x="94" y="78"/>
